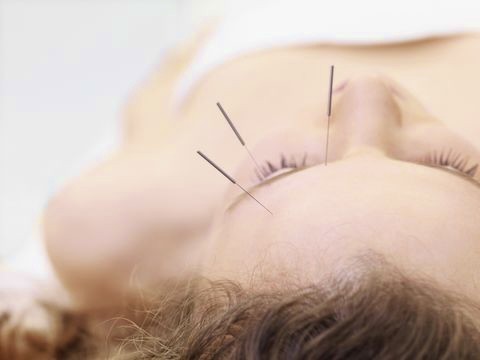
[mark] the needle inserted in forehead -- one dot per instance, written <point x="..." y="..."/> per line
<point x="239" y="137"/>
<point x="329" y="111"/>
<point x="230" y="178"/>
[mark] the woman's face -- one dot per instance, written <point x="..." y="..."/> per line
<point x="397" y="182"/>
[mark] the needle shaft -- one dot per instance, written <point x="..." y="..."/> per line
<point x="216" y="166"/>
<point x="231" y="123"/>
<point x="253" y="197"/>
<point x="329" y="111"/>
<point x="230" y="178"/>
<point x="239" y="137"/>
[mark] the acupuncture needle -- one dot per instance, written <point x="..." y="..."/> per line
<point x="239" y="137"/>
<point x="230" y="178"/>
<point x="329" y="111"/>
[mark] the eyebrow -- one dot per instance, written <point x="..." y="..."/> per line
<point x="240" y="198"/>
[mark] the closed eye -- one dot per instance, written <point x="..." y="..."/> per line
<point x="454" y="172"/>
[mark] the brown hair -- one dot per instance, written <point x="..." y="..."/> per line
<point x="382" y="314"/>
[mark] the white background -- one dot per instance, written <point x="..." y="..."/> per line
<point x="66" y="68"/>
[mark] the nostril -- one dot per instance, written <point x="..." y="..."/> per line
<point x="367" y="87"/>
<point x="368" y="106"/>
<point x="340" y="86"/>
<point x="382" y="80"/>
<point x="395" y="90"/>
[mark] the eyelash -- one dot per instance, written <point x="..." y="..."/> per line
<point x="453" y="160"/>
<point x="442" y="159"/>
<point x="268" y="168"/>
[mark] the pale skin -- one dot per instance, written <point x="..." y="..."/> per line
<point x="155" y="210"/>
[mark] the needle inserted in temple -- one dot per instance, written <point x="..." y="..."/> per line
<point x="230" y="178"/>
<point x="329" y="111"/>
<point x="239" y="137"/>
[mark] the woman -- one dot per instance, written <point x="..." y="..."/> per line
<point x="372" y="255"/>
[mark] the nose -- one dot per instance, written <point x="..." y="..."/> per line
<point x="366" y="114"/>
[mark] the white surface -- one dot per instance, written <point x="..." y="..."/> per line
<point x="66" y="68"/>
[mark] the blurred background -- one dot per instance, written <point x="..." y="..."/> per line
<point x="66" y="69"/>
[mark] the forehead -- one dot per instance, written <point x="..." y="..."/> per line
<point x="419" y="217"/>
